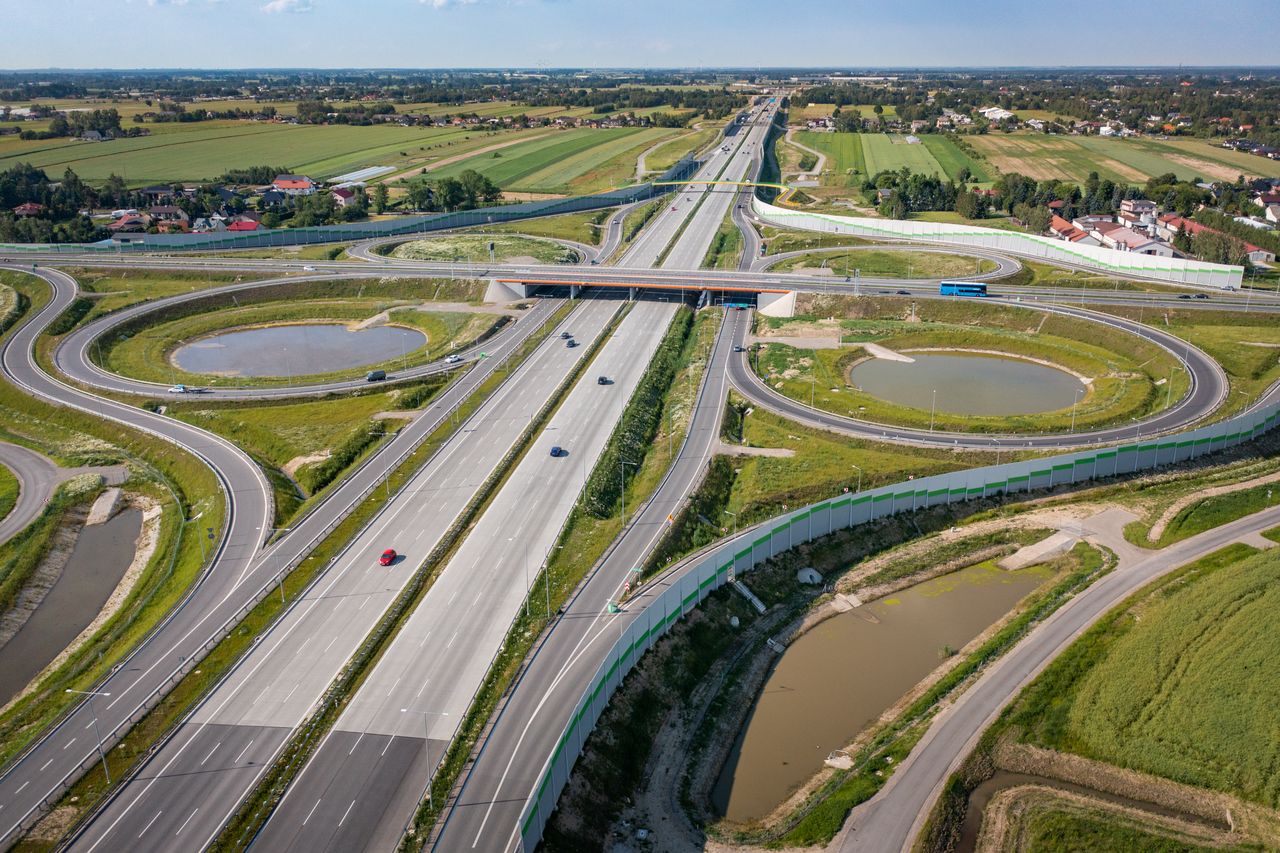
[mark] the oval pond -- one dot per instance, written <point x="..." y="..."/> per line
<point x="296" y="350"/>
<point x="968" y="384"/>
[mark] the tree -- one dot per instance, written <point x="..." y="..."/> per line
<point x="380" y="198"/>
<point x="967" y="205"/>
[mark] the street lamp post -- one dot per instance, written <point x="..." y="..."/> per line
<point x="426" y="746"/>
<point x="996" y="442"/>
<point x="933" y="407"/>
<point x="98" y="737"/>
<point x="859" y="489"/>
<point x="1075" y="403"/>
<point x="735" y="522"/>
<point x="622" y="467"/>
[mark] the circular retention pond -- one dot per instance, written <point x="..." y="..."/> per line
<point x="968" y="384"/>
<point x="296" y="350"/>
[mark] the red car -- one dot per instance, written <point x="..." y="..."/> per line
<point x="388" y="557"/>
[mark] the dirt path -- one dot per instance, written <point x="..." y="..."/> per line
<point x="1157" y="529"/>
<point x="818" y="167"/>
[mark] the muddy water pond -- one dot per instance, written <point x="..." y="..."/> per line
<point x="968" y="384"/>
<point x="839" y="677"/>
<point x="296" y="350"/>
<point x="102" y="554"/>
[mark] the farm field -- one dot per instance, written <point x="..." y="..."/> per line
<point x="845" y="166"/>
<point x="953" y="160"/>
<point x="191" y="152"/>
<point x="669" y="153"/>
<point x="1122" y="160"/>
<point x="1176" y="682"/>
<point x="569" y="161"/>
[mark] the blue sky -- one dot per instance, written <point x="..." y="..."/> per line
<point x="645" y="33"/>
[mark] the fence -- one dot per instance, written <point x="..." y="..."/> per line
<point x="352" y="231"/>
<point x="696" y="579"/>
<point x="1096" y="258"/>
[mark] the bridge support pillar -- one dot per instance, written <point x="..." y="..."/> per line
<point x="777" y="304"/>
<point x="506" y="291"/>
<point x="574" y="290"/>
<point x="631" y="294"/>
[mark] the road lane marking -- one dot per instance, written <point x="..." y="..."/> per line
<point x="310" y="813"/>
<point x="347" y="812"/>
<point x="211" y="752"/>
<point x="242" y="752"/>
<point x="46" y="764"/>
<point x="148" y="826"/>
<point x="68" y="743"/>
<point x="185" y="822"/>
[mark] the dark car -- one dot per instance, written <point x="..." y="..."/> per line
<point x="388" y="557"/>
<point x="1184" y="295"/>
<point x="904" y="292"/>
<point x="375" y="376"/>
<point x="739" y="349"/>
<point x="603" y="380"/>
<point x="571" y="343"/>
<point x="558" y="451"/>
<point x="564" y="336"/>
<point x="1202" y="296"/>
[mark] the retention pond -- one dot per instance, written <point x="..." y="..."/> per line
<point x="296" y="350"/>
<point x="966" y="384"/>
<point x="839" y="677"/>
<point x="102" y="554"/>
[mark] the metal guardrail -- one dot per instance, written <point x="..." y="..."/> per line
<point x="674" y="593"/>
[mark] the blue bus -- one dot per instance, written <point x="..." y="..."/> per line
<point x="962" y="288"/>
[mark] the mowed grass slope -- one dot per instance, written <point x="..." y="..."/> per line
<point x="845" y="166"/>
<point x="208" y="149"/>
<point x="580" y="160"/>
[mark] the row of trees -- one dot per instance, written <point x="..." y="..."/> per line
<point x="468" y="190"/>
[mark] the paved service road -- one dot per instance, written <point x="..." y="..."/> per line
<point x="37" y="478"/>
<point x="198" y="778"/>
<point x="363" y="784"/>
<point x="890" y="820"/>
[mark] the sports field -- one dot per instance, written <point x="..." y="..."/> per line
<point x="887" y="152"/>
<point x="568" y="161"/>
<point x="845" y="166"/>
<point x="871" y="153"/>
<point x="1123" y="160"/>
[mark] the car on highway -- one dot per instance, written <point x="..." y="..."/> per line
<point x="453" y="359"/>
<point x="1184" y="295"/>
<point x="603" y="380"/>
<point x="1202" y="296"/>
<point x="557" y="451"/>
<point x="904" y="292"/>
<point x="571" y="343"/>
<point x="308" y="268"/>
<point x="375" y="376"/>
<point x="739" y="349"/>
<point x="388" y="557"/>
<point x="177" y="389"/>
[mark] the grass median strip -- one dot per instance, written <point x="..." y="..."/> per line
<point x="91" y="790"/>
<point x="256" y="809"/>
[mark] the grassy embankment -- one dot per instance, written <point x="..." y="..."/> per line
<point x="92" y="787"/>
<point x="475" y="247"/>
<point x="586" y="227"/>
<point x="637" y="219"/>
<point x="665" y="406"/>
<point x="1173" y="683"/>
<point x="160" y="471"/>
<point x="726" y="247"/>
<point x="888" y="264"/>
<point x="8" y="491"/>
<point x="1124" y="369"/>
<point x="142" y="348"/>
<point x="669" y="153"/>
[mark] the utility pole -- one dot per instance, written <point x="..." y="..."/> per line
<point x="97" y="736"/>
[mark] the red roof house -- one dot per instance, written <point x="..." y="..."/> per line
<point x="243" y="225"/>
<point x="29" y="209"/>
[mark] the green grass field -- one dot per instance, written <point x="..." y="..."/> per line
<point x="845" y="166"/>
<point x="1065" y="827"/>
<point x="892" y="264"/>
<point x="8" y="491"/>
<point x="1178" y="682"/>
<point x="953" y="160"/>
<point x="887" y="152"/>
<point x="581" y="227"/>
<point x="570" y="161"/>
<point x="205" y="150"/>
<point x="112" y="290"/>
<point x="476" y="246"/>
<point x="669" y="153"/>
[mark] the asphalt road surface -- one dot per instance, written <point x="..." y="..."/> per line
<point x="195" y="782"/>
<point x="37" y="478"/>
<point x="425" y="681"/>
<point x="890" y="820"/>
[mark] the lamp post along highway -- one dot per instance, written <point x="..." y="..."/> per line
<point x="96" y="735"/>
<point x="623" y="469"/>
<point x="426" y="746"/>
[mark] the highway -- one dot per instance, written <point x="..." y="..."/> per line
<point x="509" y="761"/>
<point x="892" y="818"/>
<point x="193" y="784"/>
<point x="238" y="573"/>
<point x="363" y="784"/>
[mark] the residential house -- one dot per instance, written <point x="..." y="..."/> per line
<point x="167" y="213"/>
<point x="243" y="224"/>
<point x="157" y="194"/>
<point x="1064" y="230"/>
<point x="92" y="136"/>
<point x="995" y="114"/>
<point x="1273" y="213"/>
<point x="1113" y="235"/>
<point x="135" y="224"/>
<point x="1173" y="224"/>
<point x="271" y="198"/>
<point x="343" y="197"/>
<point x="31" y="208"/>
<point x="294" y="185"/>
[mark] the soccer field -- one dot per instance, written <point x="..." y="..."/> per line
<point x="886" y="152"/>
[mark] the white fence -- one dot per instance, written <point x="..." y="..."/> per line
<point x="1033" y="246"/>
<point x="692" y="583"/>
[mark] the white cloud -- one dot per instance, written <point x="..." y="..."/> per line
<point x="275" y="7"/>
<point x="441" y="4"/>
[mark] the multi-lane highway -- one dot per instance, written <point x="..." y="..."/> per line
<point x="239" y="570"/>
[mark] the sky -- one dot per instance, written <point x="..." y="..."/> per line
<point x="633" y="33"/>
